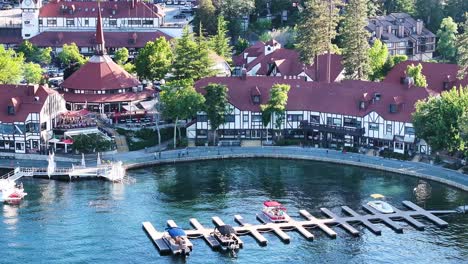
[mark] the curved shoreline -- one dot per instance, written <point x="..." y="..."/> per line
<point x="351" y="159"/>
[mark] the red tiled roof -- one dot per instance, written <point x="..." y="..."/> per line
<point x="85" y="9"/>
<point x="108" y="98"/>
<point x="253" y="51"/>
<point x="338" y="98"/>
<point x="100" y="73"/>
<point x="22" y="97"/>
<point x="436" y="74"/>
<point x="10" y="36"/>
<point x="289" y="64"/>
<point x="88" y="38"/>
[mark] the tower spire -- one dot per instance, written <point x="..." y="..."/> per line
<point x="100" y="48"/>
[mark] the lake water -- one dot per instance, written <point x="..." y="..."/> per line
<point x="94" y="221"/>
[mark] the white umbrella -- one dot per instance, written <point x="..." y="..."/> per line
<point x="98" y="159"/>
<point x="83" y="163"/>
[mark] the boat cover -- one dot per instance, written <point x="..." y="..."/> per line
<point x="226" y="230"/>
<point x="272" y="204"/>
<point x="176" y="232"/>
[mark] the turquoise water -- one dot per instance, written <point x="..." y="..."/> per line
<point x="95" y="221"/>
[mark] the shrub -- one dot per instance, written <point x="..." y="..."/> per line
<point x="91" y="143"/>
<point x="386" y="153"/>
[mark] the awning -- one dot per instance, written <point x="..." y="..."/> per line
<point x="271" y="204"/>
<point x="131" y="108"/>
<point x="149" y="105"/>
<point x="226" y="230"/>
<point x="176" y="232"/>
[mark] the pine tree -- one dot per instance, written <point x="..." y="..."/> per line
<point x="205" y="14"/>
<point x="221" y="42"/>
<point x="431" y="12"/>
<point x="317" y="29"/>
<point x="462" y="50"/>
<point x="446" y="45"/>
<point x="355" y="52"/>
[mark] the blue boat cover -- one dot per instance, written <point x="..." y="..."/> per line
<point x="176" y="231"/>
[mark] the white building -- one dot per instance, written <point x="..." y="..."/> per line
<point x="27" y="120"/>
<point x="350" y="113"/>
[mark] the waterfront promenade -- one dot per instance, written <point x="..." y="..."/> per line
<point x="138" y="159"/>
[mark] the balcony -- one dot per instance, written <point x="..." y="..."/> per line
<point x="352" y="131"/>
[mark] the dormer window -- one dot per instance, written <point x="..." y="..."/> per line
<point x="393" y="108"/>
<point x="446" y="85"/>
<point x="11" y="110"/>
<point x="256" y="99"/>
<point x="362" y="105"/>
<point x="377" y="96"/>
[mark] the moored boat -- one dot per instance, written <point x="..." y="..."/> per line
<point x="11" y="193"/>
<point x="381" y="206"/>
<point x="176" y="239"/>
<point x="273" y="212"/>
<point x="226" y="236"/>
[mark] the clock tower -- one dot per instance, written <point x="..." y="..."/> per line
<point x="30" y="18"/>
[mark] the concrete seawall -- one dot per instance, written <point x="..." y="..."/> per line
<point x="357" y="162"/>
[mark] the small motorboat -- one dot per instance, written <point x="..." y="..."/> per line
<point x="381" y="206"/>
<point x="11" y="193"/>
<point x="273" y="212"/>
<point x="226" y="236"/>
<point x="176" y="239"/>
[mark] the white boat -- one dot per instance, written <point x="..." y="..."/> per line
<point x="177" y="241"/>
<point x="226" y="236"/>
<point x="10" y="192"/>
<point x="381" y="206"/>
<point x="273" y="212"/>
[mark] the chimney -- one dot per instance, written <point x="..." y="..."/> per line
<point x="244" y="74"/>
<point x="134" y="37"/>
<point x="378" y="31"/>
<point x="60" y="37"/>
<point x="401" y="31"/>
<point x="133" y="3"/>
<point x="389" y="29"/>
<point x="419" y="26"/>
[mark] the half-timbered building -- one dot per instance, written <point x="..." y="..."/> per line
<point x="349" y="113"/>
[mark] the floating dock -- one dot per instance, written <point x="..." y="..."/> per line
<point x="303" y="226"/>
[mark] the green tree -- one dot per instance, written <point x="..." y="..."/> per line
<point x="34" y="54"/>
<point x="355" y="52"/>
<point x="462" y="50"/>
<point x="317" y="29"/>
<point x="456" y="9"/>
<point x="70" y="54"/>
<point x="205" y="14"/>
<point x="378" y="54"/>
<point x="129" y="67"/>
<point x="391" y="62"/>
<point x="415" y="72"/>
<point x="446" y="44"/>
<point x="221" y="42"/>
<point x="180" y="101"/>
<point x="216" y="105"/>
<point x="192" y="59"/>
<point x="11" y="66"/>
<point x="241" y="45"/>
<point x="431" y="11"/>
<point x="395" y="6"/>
<point x="440" y="120"/>
<point x="91" y="143"/>
<point x="121" y="56"/>
<point x="276" y="106"/>
<point x="154" y="61"/>
<point x="32" y="72"/>
<point x="234" y="11"/>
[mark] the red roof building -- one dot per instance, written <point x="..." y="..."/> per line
<point x="27" y="117"/>
<point x="101" y="84"/>
<point x="439" y="76"/>
<point x="347" y="113"/>
<point x="269" y="59"/>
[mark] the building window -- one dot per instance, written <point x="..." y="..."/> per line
<point x="201" y="132"/>
<point x="245" y="117"/>
<point x="393" y="108"/>
<point x="51" y="22"/>
<point x="409" y="131"/>
<point x="202" y="118"/>
<point x="402" y="52"/>
<point x="147" y="22"/>
<point x="333" y="121"/>
<point x="86" y="22"/>
<point x="19" y="146"/>
<point x="374" y="126"/>
<point x="256" y="118"/>
<point x="402" y="44"/>
<point x="27" y="22"/>
<point x="11" y="110"/>
<point x="70" y="22"/>
<point x="389" y="45"/>
<point x="40" y="22"/>
<point x="315" y="119"/>
<point x="398" y="145"/>
<point x="351" y="122"/>
<point x="294" y="118"/>
<point x="132" y="22"/>
<point x="389" y="128"/>
<point x="112" y="22"/>
<point x="229" y="119"/>
<point x="256" y="99"/>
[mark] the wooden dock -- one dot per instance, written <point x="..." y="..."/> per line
<point x="309" y="222"/>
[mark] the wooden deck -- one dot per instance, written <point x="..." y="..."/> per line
<point x="303" y="226"/>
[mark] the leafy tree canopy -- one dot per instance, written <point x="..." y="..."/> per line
<point x="446" y="35"/>
<point x="70" y="54"/>
<point x="154" y="60"/>
<point x="121" y="56"/>
<point x="35" y="54"/>
<point x="378" y="54"/>
<point x="415" y="72"/>
<point x="32" y="73"/>
<point x="11" y="66"/>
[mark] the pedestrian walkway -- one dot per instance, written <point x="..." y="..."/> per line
<point x="137" y="159"/>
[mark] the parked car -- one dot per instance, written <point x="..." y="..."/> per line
<point x="7" y="7"/>
<point x="180" y="16"/>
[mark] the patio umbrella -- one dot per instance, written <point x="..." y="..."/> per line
<point x="83" y="163"/>
<point x="98" y="162"/>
